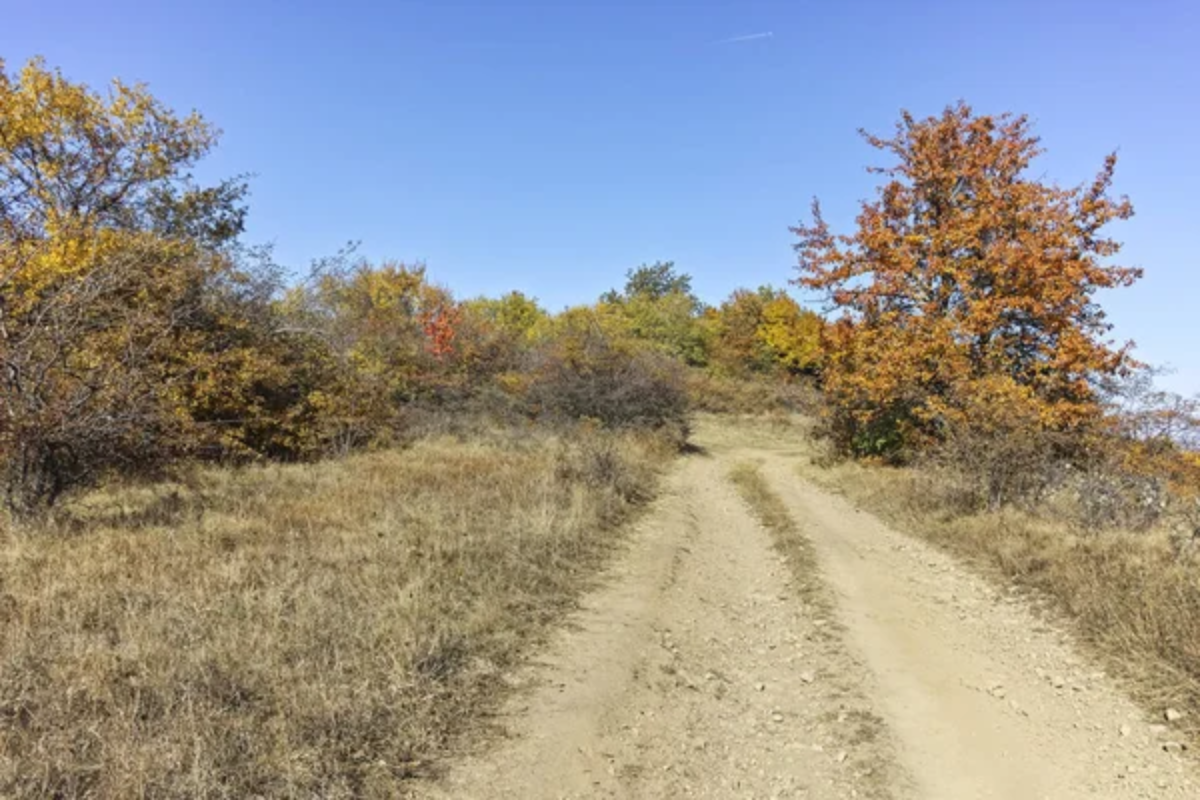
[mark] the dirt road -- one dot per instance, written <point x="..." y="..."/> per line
<point x="700" y="671"/>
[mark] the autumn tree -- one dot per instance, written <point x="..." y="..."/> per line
<point x="107" y="248"/>
<point x="792" y="335"/>
<point x="737" y="348"/>
<point x="494" y="335"/>
<point x="764" y="331"/>
<point x="514" y="314"/>
<point x="256" y="385"/>
<point x="1152" y="433"/>
<point x="395" y="338"/>
<point x="965" y="271"/>
<point x="660" y="308"/>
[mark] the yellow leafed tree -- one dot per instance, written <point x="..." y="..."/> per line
<point x="107" y="250"/>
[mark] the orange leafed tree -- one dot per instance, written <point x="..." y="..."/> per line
<point x="965" y="272"/>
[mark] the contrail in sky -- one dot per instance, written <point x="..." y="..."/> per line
<point x="750" y="37"/>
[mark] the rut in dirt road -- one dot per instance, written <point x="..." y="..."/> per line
<point x="696" y="673"/>
<point x="706" y="668"/>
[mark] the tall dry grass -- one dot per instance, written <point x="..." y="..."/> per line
<point x="296" y="631"/>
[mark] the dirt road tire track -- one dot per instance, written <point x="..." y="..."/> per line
<point x="696" y="671"/>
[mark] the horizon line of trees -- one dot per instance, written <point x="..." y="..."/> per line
<point x="137" y="329"/>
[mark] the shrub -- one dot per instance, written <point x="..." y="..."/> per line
<point x="999" y="467"/>
<point x="719" y="394"/>
<point x="584" y="372"/>
<point x="106" y="247"/>
<point x="600" y="463"/>
<point x="1118" y="498"/>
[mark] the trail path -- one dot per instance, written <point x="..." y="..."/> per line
<point x="698" y="671"/>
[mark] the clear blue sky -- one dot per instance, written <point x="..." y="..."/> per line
<point x="548" y="146"/>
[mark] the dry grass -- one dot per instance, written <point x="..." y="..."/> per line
<point x="295" y="631"/>
<point x="1130" y="597"/>
<point x="708" y="393"/>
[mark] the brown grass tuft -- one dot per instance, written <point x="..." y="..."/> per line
<point x="295" y="631"/>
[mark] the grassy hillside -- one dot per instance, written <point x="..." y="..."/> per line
<point x="312" y="630"/>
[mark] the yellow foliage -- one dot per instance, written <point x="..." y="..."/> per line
<point x="106" y="257"/>
<point x="792" y="334"/>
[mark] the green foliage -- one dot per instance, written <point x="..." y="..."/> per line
<point x="513" y="315"/>
<point x="653" y="281"/>
<point x="658" y="307"/>
<point x="669" y="323"/>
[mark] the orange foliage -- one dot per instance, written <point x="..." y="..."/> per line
<point x="440" y="325"/>
<point x="964" y="267"/>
